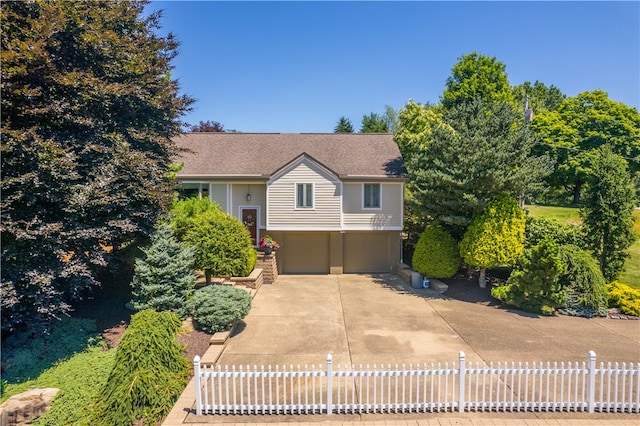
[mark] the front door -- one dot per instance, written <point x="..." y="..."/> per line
<point x="250" y="220"/>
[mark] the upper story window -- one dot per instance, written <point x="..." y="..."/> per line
<point x="371" y="196"/>
<point x="304" y="195"/>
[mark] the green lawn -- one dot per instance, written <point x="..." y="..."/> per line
<point x="570" y="215"/>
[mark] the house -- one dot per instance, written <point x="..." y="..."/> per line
<point x="334" y="202"/>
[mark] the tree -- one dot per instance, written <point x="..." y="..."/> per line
<point x="391" y="117"/>
<point x="607" y="215"/>
<point x="541" y="98"/>
<point x="579" y="126"/>
<point x="164" y="278"/>
<point x="437" y="254"/>
<point x="184" y="212"/>
<point x="457" y="163"/>
<point x="88" y="112"/>
<point x="534" y="285"/>
<point x="344" y="126"/>
<point x="374" y="123"/>
<point x="496" y="237"/>
<point x="223" y="245"/>
<point x="207" y="126"/>
<point x="476" y="76"/>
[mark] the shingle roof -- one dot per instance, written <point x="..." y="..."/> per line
<point x="350" y="155"/>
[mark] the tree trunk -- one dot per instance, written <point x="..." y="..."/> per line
<point x="576" y="193"/>
<point x="207" y="276"/>
<point x="482" y="279"/>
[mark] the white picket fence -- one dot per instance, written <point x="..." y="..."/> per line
<point x="549" y="386"/>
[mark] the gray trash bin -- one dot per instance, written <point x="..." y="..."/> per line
<point x="416" y="280"/>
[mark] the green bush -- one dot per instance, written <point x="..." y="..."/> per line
<point x="625" y="298"/>
<point x="538" y="228"/>
<point x="583" y="282"/>
<point x="149" y="372"/>
<point x="437" y="254"/>
<point x="25" y="355"/>
<point x="218" y="307"/>
<point x="164" y="278"/>
<point x="534" y="285"/>
<point x="223" y="245"/>
<point x="183" y="212"/>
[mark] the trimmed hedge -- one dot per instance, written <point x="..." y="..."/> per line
<point x="437" y="254"/>
<point x="218" y="307"/>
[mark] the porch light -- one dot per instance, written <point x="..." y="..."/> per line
<point x="248" y="197"/>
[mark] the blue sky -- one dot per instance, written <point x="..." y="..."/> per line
<point x="299" y="66"/>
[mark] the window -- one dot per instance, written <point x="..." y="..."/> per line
<point x="193" y="189"/>
<point x="371" y="195"/>
<point x="304" y="195"/>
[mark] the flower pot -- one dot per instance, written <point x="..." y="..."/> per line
<point x="267" y="250"/>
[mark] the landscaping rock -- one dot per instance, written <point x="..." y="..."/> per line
<point x="24" y="407"/>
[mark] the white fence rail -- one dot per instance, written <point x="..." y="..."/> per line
<point x="421" y="388"/>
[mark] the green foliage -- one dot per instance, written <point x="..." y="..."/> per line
<point x="148" y="375"/>
<point x="223" y="245"/>
<point x="608" y="211"/>
<point x="184" y="212"/>
<point x="495" y="237"/>
<point x="476" y="76"/>
<point x="583" y="283"/>
<point x="88" y="112"/>
<point x="457" y="163"/>
<point x="580" y="125"/>
<point x="374" y="123"/>
<point x="541" y="97"/>
<point x="25" y="355"/>
<point x="539" y="228"/>
<point x="437" y="254"/>
<point x="344" y="126"/>
<point x="218" y="307"/>
<point x="534" y="285"/>
<point x="164" y="279"/>
<point x="625" y="298"/>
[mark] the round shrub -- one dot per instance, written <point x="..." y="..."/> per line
<point x="624" y="297"/>
<point x="218" y="307"/>
<point x="437" y="254"/>
<point x="149" y="372"/>
<point x="183" y="213"/>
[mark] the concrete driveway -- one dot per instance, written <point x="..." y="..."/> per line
<point x="363" y="319"/>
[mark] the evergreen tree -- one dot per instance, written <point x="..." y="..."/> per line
<point x="374" y="123"/>
<point x="164" y="278"/>
<point x="437" y="254"/>
<point x="88" y="112"/>
<point x="496" y="237"/>
<point x="344" y="126"/>
<point x="607" y="215"/>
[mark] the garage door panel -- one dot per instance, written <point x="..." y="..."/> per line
<point x="366" y="252"/>
<point x="305" y="253"/>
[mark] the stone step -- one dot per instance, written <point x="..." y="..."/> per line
<point x="438" y="286"/>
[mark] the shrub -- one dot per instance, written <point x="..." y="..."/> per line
<point x="149" y="372"/>
<point x="624" y="297"/>
<point x="437" y="254"/>
<point x="223" y="245"/>
<point x="534" y="285"/>
<point x="218" y="307"/>
<point x="583" y="282"/>
<point x="164" y="278"/>
<point x="538" y="228"/>
<point x="183" y="212"/>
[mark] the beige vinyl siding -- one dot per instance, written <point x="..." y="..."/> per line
<point x="239" y="193"/>
<point x="387" y="217"/>
<point x="218" y="194"/>
<point x="325" y="213"/>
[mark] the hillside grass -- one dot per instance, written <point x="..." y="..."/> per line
<point x="631" y="275"/>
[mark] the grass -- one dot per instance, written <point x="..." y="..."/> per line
<point x="631" y="275"/>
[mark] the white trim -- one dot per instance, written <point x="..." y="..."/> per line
<point x="255" y="207"/>
<point x="296" y="162"/>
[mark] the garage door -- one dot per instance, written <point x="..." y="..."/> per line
<point x="305" y="253"/>
<point x="366" y="252"/>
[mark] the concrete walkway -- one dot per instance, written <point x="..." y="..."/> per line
<point x="362" y="319"/>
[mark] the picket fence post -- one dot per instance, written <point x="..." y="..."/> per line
<point x="591" y="395"/>
<point x="196" y="376"/>
<point x="329" y="385"/>
<point x="461" y="374"/>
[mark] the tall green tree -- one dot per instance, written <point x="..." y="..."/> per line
<point x="496" y="237"/>
<point x="457" y="163"/>
<point x="391" y="117"/>
<point x="88" y="112"/>
<point x="607" y="215"/>
<point x="344" y="126"/>
<point x="542" y="98"/>
<point x="374" y="123"/>
<point x="580" y="125"/>
<point x="477" y="76"/>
